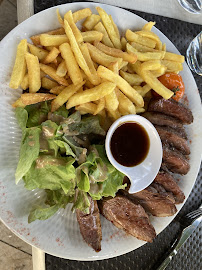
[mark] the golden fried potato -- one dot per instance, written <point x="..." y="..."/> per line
<point x="90" y="22"/>
<point x="48" y="83"/>
<point x="32" y="98"/>
<point x="132" y="36"/>
<point x="50" y="71"/>
<point x="131" y="58"/>
<point x="125" y="105"/>
<point x="91" y="36"/>
<point x="36" y="39"/>
<point x="123" y="85"/>
<point x="57" y="89"/>
<point x="109" y="27"/>
<point x="19" y="68"/>
<point x="100" y="106"/>
<point x="101" y="57"/>
<point x="52" y="55"/>
<point x="52" y="40"/>
<point x="64" y="95"/>
<point x="148" y="26"/>
<point x="62" y="69"/>
<point x="37" y="51"/>
<point x="34" y="76"/>
<point x="92" y="94"/>
<point x="81" y="14"/>
<point x="69" y="17"/>
<point x="106" y="40"/>
<point x="71" y="63"/>
<point x="132" y="79"/>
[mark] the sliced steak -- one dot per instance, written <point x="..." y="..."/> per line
<point x="175" y="161"/>
<point x="90" y="226"/>
<point x="126" y="215"/>
<point x="153" y="202"/>
<point x="166" y="180"/>
<point x="165" y="120"/>
<point x="170" y="136"/>
<point x="161" y="190"/>
<point x="172" y="108"/>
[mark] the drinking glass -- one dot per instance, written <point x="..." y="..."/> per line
<point x="192" y="6"/>
<point x="194" y="54"/>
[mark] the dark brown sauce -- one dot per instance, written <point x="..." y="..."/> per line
<point x="130" y="144"/>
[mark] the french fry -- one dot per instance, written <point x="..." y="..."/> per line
<point x="142" y="48"/>
<point x="140" y="110"/>
<point x="77" y="34"/>
<point x="36" y="39"/>
<point x="77" y="52"/>
<point x="172" y="66"/>
<point x="132" y="79"/>
<point x="111" y="101"/>
<point x="57" y="89"/>
<point x="115" y="27"/>
<point x="109" y="27"/>
<point x="33" y="68"/>
<point x="148" y="26"/>
<point x="52" y="40"/>
<point x="114" y="114"/>
<point x="60" y="19"/>
<point x="151" y="35"/>
<point x="92" y="94"/>
<point x="132" y="36"/>
<point x="71" y="63"/>
<point x="100" y="106"/>
<point x="81" y="14"/>
<point x="173" y="57"/>
<point x="125" y="105"/>
<point x="61" y="69"/>
<point x="32" y="98"/>
<point x="94" y="77"/>
<point x="37" y="51"/>
<point x="91" y="36"/>
<point x="143" y="90"/>
<point x="48" y="83"/>
<point x="106" y="40"/>
<point x="51" y="56"/>
<point x="131" y="58"/>
<point x="25" y="82"/>
<point x="18" y="103"/>
<point x="160" y="71"/>
<point x="123" y="43"/>
<point x="154" y="83"/>
<point x="164" y="47"/>
<point x="19" y="68"/>
<point x="50" y="71"/>
<point x="124" y="64"/>
<point x="86" y="108"/>
<point x="90" y="22"/>
<point x="145" y="56"/>
<point x="123" y="85"/>
<point x="64" y="96"/>
<point x="114" y="67"/>
<point x="101" y="57"/>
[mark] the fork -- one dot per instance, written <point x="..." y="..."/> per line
<point x="189" y="222"/>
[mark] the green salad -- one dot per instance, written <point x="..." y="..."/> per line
<point x="63" y="153"/>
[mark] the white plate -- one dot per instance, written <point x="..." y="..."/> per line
<point x="60" y="234"/>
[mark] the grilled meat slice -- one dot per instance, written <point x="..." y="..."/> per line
<point x="175" y="161"/>
<point x="156" y="204"/>
<point x="166" y="180"/>
<point x="170" y="136"/>
<point x="172" y="108"/>
<point x="90" y="226"/>
<point x="161" y="190"/>
<point x="165" y="120"/>
<point x="126" y="215"/>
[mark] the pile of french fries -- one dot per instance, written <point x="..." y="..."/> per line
<point x="93" y="70"/>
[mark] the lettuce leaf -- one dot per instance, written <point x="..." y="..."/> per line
<point x="65" y="148"/>
<point x="37" y="113"/>
<point x="29" y="151"/>
<point x="81" y="202"/>
<point x="51" y="173"/>
<point x="43" y="213"/>
<point x="22" y="117"/>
